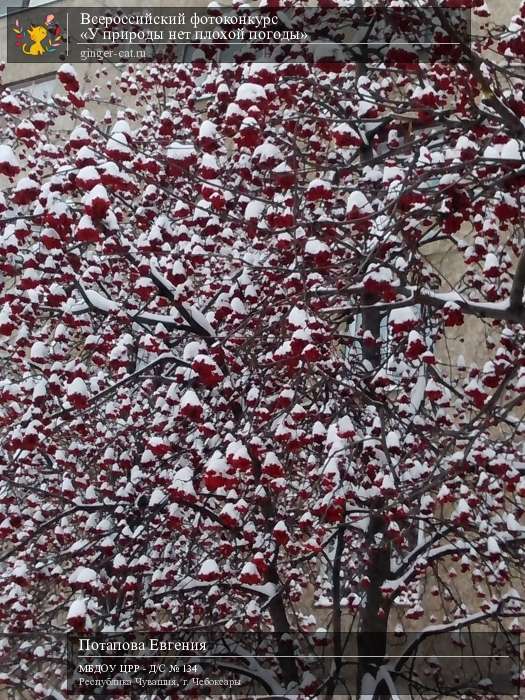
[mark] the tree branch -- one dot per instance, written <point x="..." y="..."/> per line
<point x="518" y="284"/>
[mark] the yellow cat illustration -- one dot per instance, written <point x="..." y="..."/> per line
<point x="37" y="35"/>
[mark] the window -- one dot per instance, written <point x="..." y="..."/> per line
<point x="42" y="88"/>
<point x="13" y="4"/>
<point x="4" y="4"/>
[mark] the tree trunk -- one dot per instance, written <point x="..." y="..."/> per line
<point x="373" y="622"/>
<point x="277" y="608"/>
<point x="285" y="647"/>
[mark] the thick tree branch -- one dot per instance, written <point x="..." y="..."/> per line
<point x="518" y="284"/>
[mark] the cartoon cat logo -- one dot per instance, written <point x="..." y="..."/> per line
<point x="38" y="39"/>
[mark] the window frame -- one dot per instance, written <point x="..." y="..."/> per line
<point x="24" y="5"/>
<point x="25" y="83"/>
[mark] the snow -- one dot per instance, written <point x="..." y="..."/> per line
<point x="464" y="143"/>
<point x="318" y="182"/>
<point x="19" y="570"/>
<point x="199" y="318"/>
<point x="491" y="262"/>
<point x="5" y="315"/>
<point x="101" y="303"/>
<point x="282" y="168"/>
<point x="83" y="575"/>
<point x="298" y="317"/>
<point x="207" y="129"/>
<point x="183" y="480"/>
<point x="407" y="314"/>
<point x="271" y="459"/>
<point x="512" y="523"/>
<point x="314" y="247"/>
<point x="97" y="192"/>
<point x="237" y="451"/>
<point x="449" y="178"/>
<point x="39" y="351"/>
<point x="7" y="155"/>
<point x="392" y="172"/>
<point x="266" y="589"/>
<point x="208" y="160"/>
<point x="381" y="274"/>
<point x="238" y="306"/>
<point x="492" y="152"/>
<point x="455" y="297"/>
<point x="192" y="349"/>
<point x="231" y="511"/>
<point x="86" y="154"/>
<point x="88" y="174"/>
<point x="217" y="463"/>
<point x="79" y="133"/>
<point x="462" y="506"/>
<point x="67" y="69"/>
<point x="77" y="387"/>
<point x="121" y="126"/>
<point x="180" y="151"/>
<point x="10" y="100"/>
<point x="254" y="209"/>
<point x="209" y="568"/>
<point x="267" y="151"/>
<point x="119" y="561"/>
<point x="251" y="92"/>
<point x="255" y="68"/>
<point x="520" y="384"/>
<point x="493" y="546"/>
<point x="158" y="497"/>
<point x="77" y="609"/>
<point x="118" y="143"/>
<point x="346" y="129"/>
<point x="330" y="52"/>
<point x="40" y="389"/>
<point x="26" y="183"/>
<point x="511" y="150"/>
<point x="233" y="109"/>
<point x="189" y="398"/>
<point x="345" y="427"/>
<point x="358" y="200"/>
<point x="392" y="439"/>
